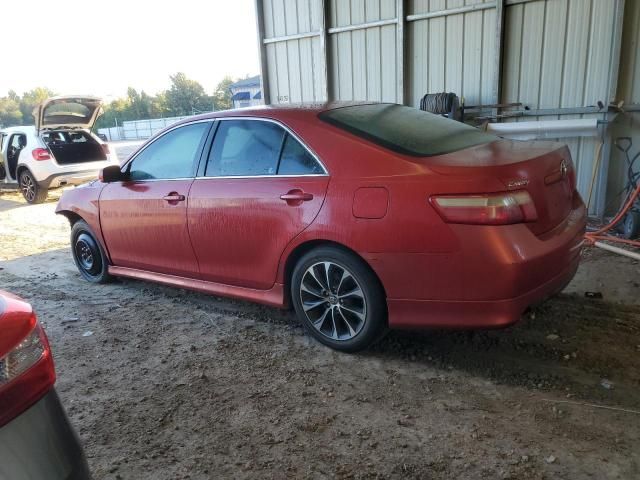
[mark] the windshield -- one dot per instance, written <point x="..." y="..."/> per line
<point x="406" y="130"/>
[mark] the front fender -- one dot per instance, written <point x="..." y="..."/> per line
<point x="84" y="202"/>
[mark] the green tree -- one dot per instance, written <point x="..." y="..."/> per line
<point x="159" y="107"/>
<point x="10" y="113"/>
<point x="186" y="96"/>
<point x="222" y="94"/>
<point x="115" y="112"/>
<point x="30" y="100"/>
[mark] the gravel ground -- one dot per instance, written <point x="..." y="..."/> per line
<point x="173" y="384"/>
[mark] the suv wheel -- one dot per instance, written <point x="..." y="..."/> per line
<point x="31" y="191"/>
<point x="338" y="299"/>
<point x="88" y="254"/>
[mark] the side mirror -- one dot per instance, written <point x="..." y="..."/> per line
<point x="112" y="173"/>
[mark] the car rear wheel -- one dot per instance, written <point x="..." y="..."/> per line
<point x="338" y="299"/>
<point x="88" y="254"/>
<point x="31" y="191"/>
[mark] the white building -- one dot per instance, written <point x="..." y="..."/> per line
<point x="246" y="93"/>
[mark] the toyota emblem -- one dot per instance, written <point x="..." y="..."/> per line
<point x="564" y="168"/>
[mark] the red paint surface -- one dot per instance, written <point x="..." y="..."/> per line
<point x="233" y="236"/>
<point x="142" y="230"/>
<point x="16" y="321"/>
<point x="370" y="202"/>
<point x="239" y="227"/>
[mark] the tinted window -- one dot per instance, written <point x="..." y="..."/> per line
<point x="245" y="148"/>
<point x="18" y="141"/>
<point x="406" y="130"/>
<point x="173" y="155"/>
<point x="296" y="160"/>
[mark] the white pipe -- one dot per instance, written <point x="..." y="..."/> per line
<point x="587" y="127"/>
<point x="621" y="251"/>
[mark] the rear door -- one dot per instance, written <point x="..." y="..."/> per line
<point x="259" y="189"/>
<point x="144" y="219"/>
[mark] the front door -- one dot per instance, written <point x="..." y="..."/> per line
<point x="144" y="219"/>
<point x="260" y="189"/>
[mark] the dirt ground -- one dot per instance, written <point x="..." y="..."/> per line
<point x="167" y="384"/>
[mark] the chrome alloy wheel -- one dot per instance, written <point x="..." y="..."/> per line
<point x="28" y="187"/>
<point x="333" y="301"/>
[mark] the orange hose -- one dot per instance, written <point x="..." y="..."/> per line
<point x="591" y="237"/>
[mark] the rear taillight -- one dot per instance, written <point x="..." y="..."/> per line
<point x="490" y="209"/>
<point x="26" y="373"/>
<point x="105" y="148"/>
<point x="40" y="154"/>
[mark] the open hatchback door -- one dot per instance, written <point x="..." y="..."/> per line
<point x="67" y="112"/>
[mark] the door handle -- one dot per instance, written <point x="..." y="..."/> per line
<point x="297" y="196"/>
<point x="174" y="197"/>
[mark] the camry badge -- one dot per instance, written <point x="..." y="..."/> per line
<point x="517" y="183"/>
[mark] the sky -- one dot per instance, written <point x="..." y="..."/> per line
<point x="101" y="47"/>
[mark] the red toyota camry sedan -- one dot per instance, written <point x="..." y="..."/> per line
<point x="362" y="216"/>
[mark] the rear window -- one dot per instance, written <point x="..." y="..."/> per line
<point x="67" y="111"/>
<point x="66" y="137"/>
<point x="406" y="130"/>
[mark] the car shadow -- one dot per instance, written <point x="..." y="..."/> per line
<point x="584" y="348"/>
<point x="568" y="343"/>
<point x="10" y="199"/>
<point x="9" y="204"/>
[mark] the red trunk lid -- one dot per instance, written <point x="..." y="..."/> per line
<point x="544" y="169"/>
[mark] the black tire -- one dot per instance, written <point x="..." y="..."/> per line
<point x="631" y="225"/>
<point x="31" y="191"/>
<point x="342" y="319"/>
<point x="88" y="255"/>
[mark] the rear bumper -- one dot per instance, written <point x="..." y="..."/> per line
<point x="68" y="178"/>
<point x="40" y="443"/>
<point x="488" y="281"/>
<point x="411" y="314"/>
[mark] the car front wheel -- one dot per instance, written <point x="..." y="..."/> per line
<point x="31" y="191"/>
<point x="88" y="254"/>
<point x="338" y="299"/>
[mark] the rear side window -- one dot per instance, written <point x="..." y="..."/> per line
<point x="245" y="148"/>
<point x="406" y="130"/>
<point x="250" y="148"/>
<point x="296" y="160"/>
<point x="173" y="155"/>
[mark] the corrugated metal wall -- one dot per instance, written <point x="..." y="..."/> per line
<point x="626" y="124"/>
<point x="296" y="66"/>
<point x="556" y="54"/>
<point x="453" y="52"/>
<point x="560" y="53"/>
<point x="363" y="62"/>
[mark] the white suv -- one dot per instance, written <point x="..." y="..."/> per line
<point x="59" y="150"/>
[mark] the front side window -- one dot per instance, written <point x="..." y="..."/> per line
<point x="173" y="155"/>
<point x="245" y="148"/>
